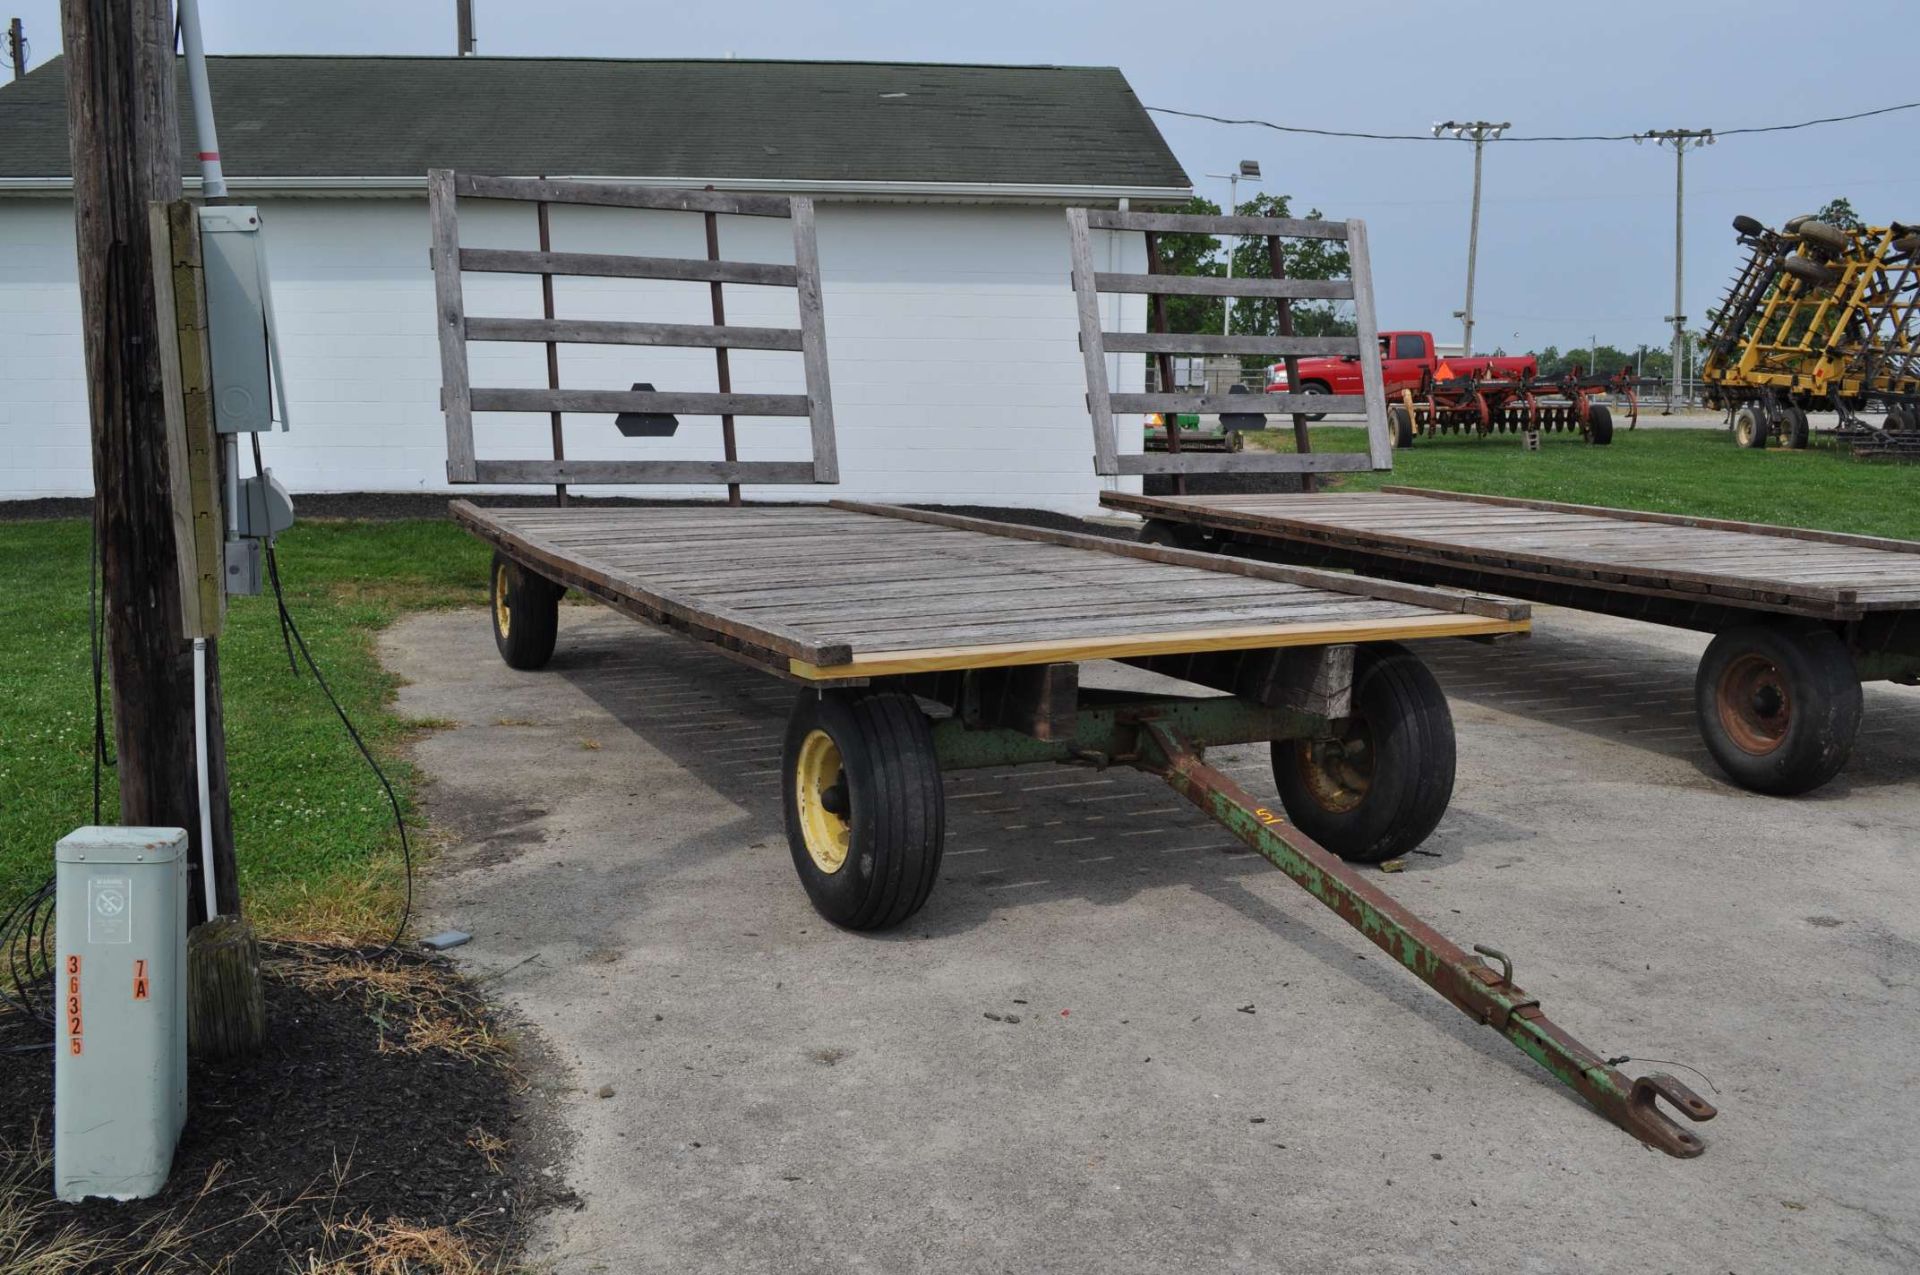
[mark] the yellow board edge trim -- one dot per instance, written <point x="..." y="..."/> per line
<point x="1065" y="650"/>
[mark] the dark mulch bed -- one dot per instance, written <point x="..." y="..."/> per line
<point x="341" y="1120"/>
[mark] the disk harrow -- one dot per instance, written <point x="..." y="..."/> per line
<point x="1820" y="317"/>
<point x="1531" y="406"/>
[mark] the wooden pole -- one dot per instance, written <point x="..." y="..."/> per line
<point x="553" y="349"/>
<point x="126" y="154"/>
<point x="1165" y="364"/>
<point x="17" y="47"/>
<point x="728" y="442"/>
<point x="1302" y="440"/>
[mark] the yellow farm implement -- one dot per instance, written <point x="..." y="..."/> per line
<point x="1820" y="317"/>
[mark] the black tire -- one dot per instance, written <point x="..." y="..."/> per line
<point x="1907" y="245"/>
<point x="1380" y="791"/>
<point x="1823" y="234"/>
<point x="1799" y="430"/>
<point x="1314" y="387"/>
<point x="1172" y="535"/>
<point x="1400" y="425"/>
<point x="1900" y="420"/>
<point x="1778" y="705"/>
<point x="890" y="805"/>
<point x="1750" y="425"/>
<point x="525" y="611"/>
<point x="1810" y="271"/>
<point x="1599" y="424"/>
<point x="1792" y="225"/>
<point x="1747" y="225"/>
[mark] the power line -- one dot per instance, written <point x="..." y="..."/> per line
<point x="1568" y="137"/>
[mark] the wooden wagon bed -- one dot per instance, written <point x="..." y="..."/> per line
<point x="1481" y="541"/>
<point x="847" y="592"/>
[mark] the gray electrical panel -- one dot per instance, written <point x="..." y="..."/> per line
<point x="120" y="1058"/>
<point x="232" y="250"/>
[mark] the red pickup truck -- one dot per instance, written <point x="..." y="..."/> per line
<point x="1404" y="358"/>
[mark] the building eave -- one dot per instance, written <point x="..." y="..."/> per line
<point x="841" y="190"/>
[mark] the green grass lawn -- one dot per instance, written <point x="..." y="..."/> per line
<point x="317" y="851"/>
<point x="1686" y="471"/>
<point x="315" y="838"/>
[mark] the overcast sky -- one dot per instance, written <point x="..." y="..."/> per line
<point x="1576" y="240"/>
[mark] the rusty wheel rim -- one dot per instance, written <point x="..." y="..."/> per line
<point x="1756" y="708"/>
<point x="1338" y="772"/>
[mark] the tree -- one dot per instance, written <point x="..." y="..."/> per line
<point x="1252" y="259"/>
<point x="1195" y="255"/>
<point x="1839" y="212"/>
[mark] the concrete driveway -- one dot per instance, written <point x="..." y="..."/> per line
<point x="1114" y="1042"/>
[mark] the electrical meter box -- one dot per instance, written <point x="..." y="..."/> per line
<point x="120" y="1052"/>
<point x="232" y="250"/>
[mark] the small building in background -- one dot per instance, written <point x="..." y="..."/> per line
<point x="951" y="328"/>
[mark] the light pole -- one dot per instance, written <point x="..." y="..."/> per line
<point x="1479" y="131"/>
<point x="1249" y="169"/>
<point x="1680" y="139"/>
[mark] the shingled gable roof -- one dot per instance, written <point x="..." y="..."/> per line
<point x="1037" y="129"/>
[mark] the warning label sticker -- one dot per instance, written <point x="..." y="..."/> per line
<point x="110" y="910"/>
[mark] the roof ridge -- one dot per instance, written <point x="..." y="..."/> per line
<point x="681" y="61"/>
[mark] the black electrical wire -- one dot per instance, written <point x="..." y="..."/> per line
<point x="95" y="623"/>
<point x="291" y="629"/>
<point x="26" y="940"/>
<point x="1570" y="137"/>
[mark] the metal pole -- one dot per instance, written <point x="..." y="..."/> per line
<point x="213" y="182"/>
<point x="1473" y="242"/>
<point x="1679" y="139"/>
<point x="1679" y="259"/>
<point x="463" y="20"/>
<point x="1233" y="204"/>
<point x="1480" y="131"/>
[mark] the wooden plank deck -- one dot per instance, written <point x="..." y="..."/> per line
<point x="847" y="592"/>
<point x="1810" y="572"/>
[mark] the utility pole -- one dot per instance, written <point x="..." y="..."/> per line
<point x="463" y="19"/>
<point x="1680" y="139"/>
<point x="1480" y="131"/>
<point x="1249" y="169"/>
<point x="124" y="139"/>
<point x="17" y="48"/>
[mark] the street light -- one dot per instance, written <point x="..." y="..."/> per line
<point x="1249" y="169"/>
<point x="1480" y="131"/>
<point x="1680" y="139"/>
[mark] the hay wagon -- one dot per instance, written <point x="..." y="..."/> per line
<point x="1800" y="618"/>
<point x="920" y="641"/>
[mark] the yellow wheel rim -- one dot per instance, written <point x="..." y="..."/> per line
<point x="502" y="614"/>
<point x="816" y="774"/>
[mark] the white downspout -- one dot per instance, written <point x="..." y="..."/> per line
<point x="213" y="185"/>
<point x="202" y="773"/>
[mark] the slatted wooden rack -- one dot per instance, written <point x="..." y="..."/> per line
<point x="460" y="399"/>
<point x="1096" y="343"/>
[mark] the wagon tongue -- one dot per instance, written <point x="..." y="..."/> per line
<point x="1482" y="993"/>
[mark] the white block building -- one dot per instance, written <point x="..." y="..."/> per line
<point x="951" y="327"/>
